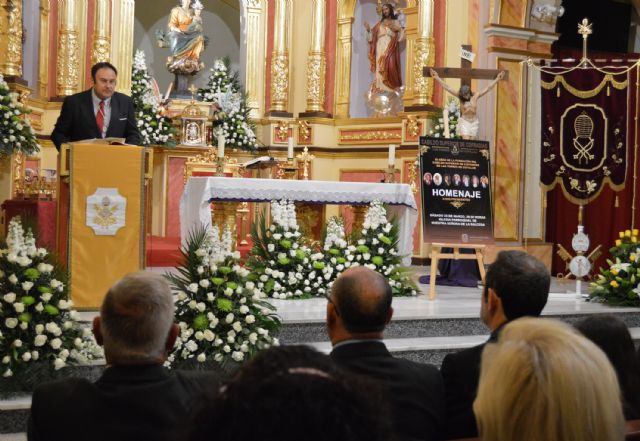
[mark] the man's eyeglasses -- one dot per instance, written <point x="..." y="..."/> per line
<point x="335" y="307"/>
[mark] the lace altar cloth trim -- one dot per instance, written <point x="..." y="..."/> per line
<point x="201" y="191"/>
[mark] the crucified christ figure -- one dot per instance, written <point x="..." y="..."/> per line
<point x="468" y="123"/>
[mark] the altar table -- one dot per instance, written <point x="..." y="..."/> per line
<point x="201" y="191"/>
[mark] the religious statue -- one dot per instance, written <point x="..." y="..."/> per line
<point x="186" y="38"/>
<point x="468" y="123"/>
<point x="384" y="50"/>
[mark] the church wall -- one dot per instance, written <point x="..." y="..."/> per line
<point x="221" y="25"/>
<point x="30" y="49"/>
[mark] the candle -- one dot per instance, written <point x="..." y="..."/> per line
<point x="221" y="146"/>
<point x="290" y="148"/>
<point x="392" y="154"/>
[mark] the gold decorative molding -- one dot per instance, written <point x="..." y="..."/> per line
<point x="11" y="37"/>
<point x="101" y="32"/>
<point x="316" y="63"/>
<point x="280" y="81"/>
<point x="412" y="129"/>
<point x="424" y="54"/>
<point x="305" y="132"/>
<point x="280" y="56"/>
<point x="371" y="135"/>
<point x="43" y="55"/>
<point x="282" y="132"/>
<point x="346" y="12"/>
<point x="68" y="62"/>
<point x="122" y="41"/>
<point x="255" y="12"/>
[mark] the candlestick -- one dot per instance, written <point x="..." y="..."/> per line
<point x="392" y="154"/>
<point x="221" y="146"/>
<point x="290" y="148"/>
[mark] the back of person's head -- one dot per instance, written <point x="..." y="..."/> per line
<point x="611" y="335"/>
<point x="362" y="298"/>
<point x="542" y="380"/>
<point x="293" y="393"/>
<point x="521" y="281"/>
<point x="135" y="319"/>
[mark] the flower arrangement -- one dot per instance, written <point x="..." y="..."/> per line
<point x="220" y="311"/>
<point x="337" y="252"/>
<point x="620" y="283"/>
<point x="37" y="322"/>
<point x="282" y="267"/>
<point x="16" y="133"/>
<point x="377" y="249"/>
<point x="153" y="126"/>
<point x="453" y="107"/>
<point x="233" y="121"/>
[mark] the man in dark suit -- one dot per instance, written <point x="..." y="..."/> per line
<point x="136" y="398"/>
<point x="359" y="309"/>
<point x="516" y="285"/>
<point x="99" y="112"/>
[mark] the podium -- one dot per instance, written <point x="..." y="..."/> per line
<point x="101" y="216"/>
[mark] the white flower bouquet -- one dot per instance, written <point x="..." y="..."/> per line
<point x="221" y="313"/>
<point x="281" y="266"/>
<point x="37" y="322"/>
<point x="377" y="249"/>
<point x="16" y="133"/>
<point x="453" y="108"/>
<point x="337" y="252"/>
<point x="155" y="129"/>
<point x="233" y="122"/>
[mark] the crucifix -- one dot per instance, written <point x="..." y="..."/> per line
<point x="468" y="123"/>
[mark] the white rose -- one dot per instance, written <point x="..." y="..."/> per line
<point x="26" y="356"/>
<point x="244" y="309"/>
<point x="40" y="340"/>
<point x="208" y="335"/>
<point x="253" y="338"/>
<point x="11" y="322"/>
<point x="13" y="279"/>
<point x="226" y="349"/>
<point x="19" y="307"/>
<point x="229" y="318"/>
<point x="191" y="346"/>
<point x="56" y="343"/>
<point x="7" y="373"/>
<point x="237" y="326"/>
<point x="205" y="283"/>
<point x="39" y="328"/>
<point x="58" y="364"/>
<point x="237" y="356"/>
<point x="63" y="304"/>
<point x="193" y="287"/>
<point x="9" y="297"/>
<point x="202" y="357"/>
<point x="35" y="355"/>
<point x="250" y="319"/>
<point x="17" y="343"/>
<point x="39" y="307"/>
<point x="46" y="296"/>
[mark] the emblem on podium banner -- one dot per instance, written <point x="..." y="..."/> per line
<point x="106" y="210"/>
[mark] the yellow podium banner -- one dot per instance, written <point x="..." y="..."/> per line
<point x="106" y="218"/>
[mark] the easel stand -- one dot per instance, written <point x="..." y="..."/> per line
<point x="436" y="254"/>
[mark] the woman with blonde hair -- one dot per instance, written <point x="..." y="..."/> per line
<point x="544" y="381"/>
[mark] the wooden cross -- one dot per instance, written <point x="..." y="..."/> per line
<point x="465" y="72"/>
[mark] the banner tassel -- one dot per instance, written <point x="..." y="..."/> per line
<point x="608" y="90"/>
<point x="617" y="202"/>
<point x="558" y="92"/>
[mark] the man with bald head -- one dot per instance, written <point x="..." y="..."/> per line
<point x="136" y="398"/>
<point x="359" y="308"/>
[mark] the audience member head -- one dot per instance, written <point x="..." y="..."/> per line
<point x="359" y="305"/>
<point x="516" y="285"/>
<point x="135" y="325"/>
<point x="612" y="336"/>
<point x="104" y="76"/>
<point x="293" y="393"/>
<point x="542" y="380"/>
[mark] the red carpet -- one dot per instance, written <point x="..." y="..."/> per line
<point x="165" y="251"/>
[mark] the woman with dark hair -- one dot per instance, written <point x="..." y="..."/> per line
<point x="293" y="393"/>
<point x="612" y="336"/>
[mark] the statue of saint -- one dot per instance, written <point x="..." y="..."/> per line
<point x="468" y="123"/>
<point x="384" y="50"/>
<point x="186" y="38"/>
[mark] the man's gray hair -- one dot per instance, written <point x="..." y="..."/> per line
<point x="136" y="316"/>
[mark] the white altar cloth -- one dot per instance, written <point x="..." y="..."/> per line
<point x="201" y="191"/>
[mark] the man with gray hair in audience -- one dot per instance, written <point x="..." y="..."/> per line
<point x="136" y="398"/>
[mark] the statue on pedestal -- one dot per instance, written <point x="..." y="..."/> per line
<point x="186" y="41"/>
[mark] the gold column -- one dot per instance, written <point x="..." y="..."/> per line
<point x="316" y="63"/>
<point x="411" y="34"/>
<point x="11" y="38"/>
<point x="280" y="57"/>
<point x="43" y="53"/>
<point x="101" y="32"/>
<point x="346" y="10"/>
<point x="425" y="53"/>
<point x="255" y="14"/>
<point x="122" y="41"/>
<point x="68" y="63"/>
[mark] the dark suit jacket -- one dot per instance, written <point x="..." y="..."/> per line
<point x="134" y="403"/>
<point x="415" y="391"/>
<point x="77" y="121"/>
<point x="461" y="374"/>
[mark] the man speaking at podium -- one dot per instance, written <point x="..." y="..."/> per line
<point x="99" y="112"/>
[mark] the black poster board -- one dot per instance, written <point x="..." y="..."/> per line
<point x="456" y="191"/>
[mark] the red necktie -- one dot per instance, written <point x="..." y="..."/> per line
<point x="100" y="117"/>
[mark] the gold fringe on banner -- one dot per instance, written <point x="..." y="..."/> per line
<point x="617" y="202"/>
<point x="608" y="79"/>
